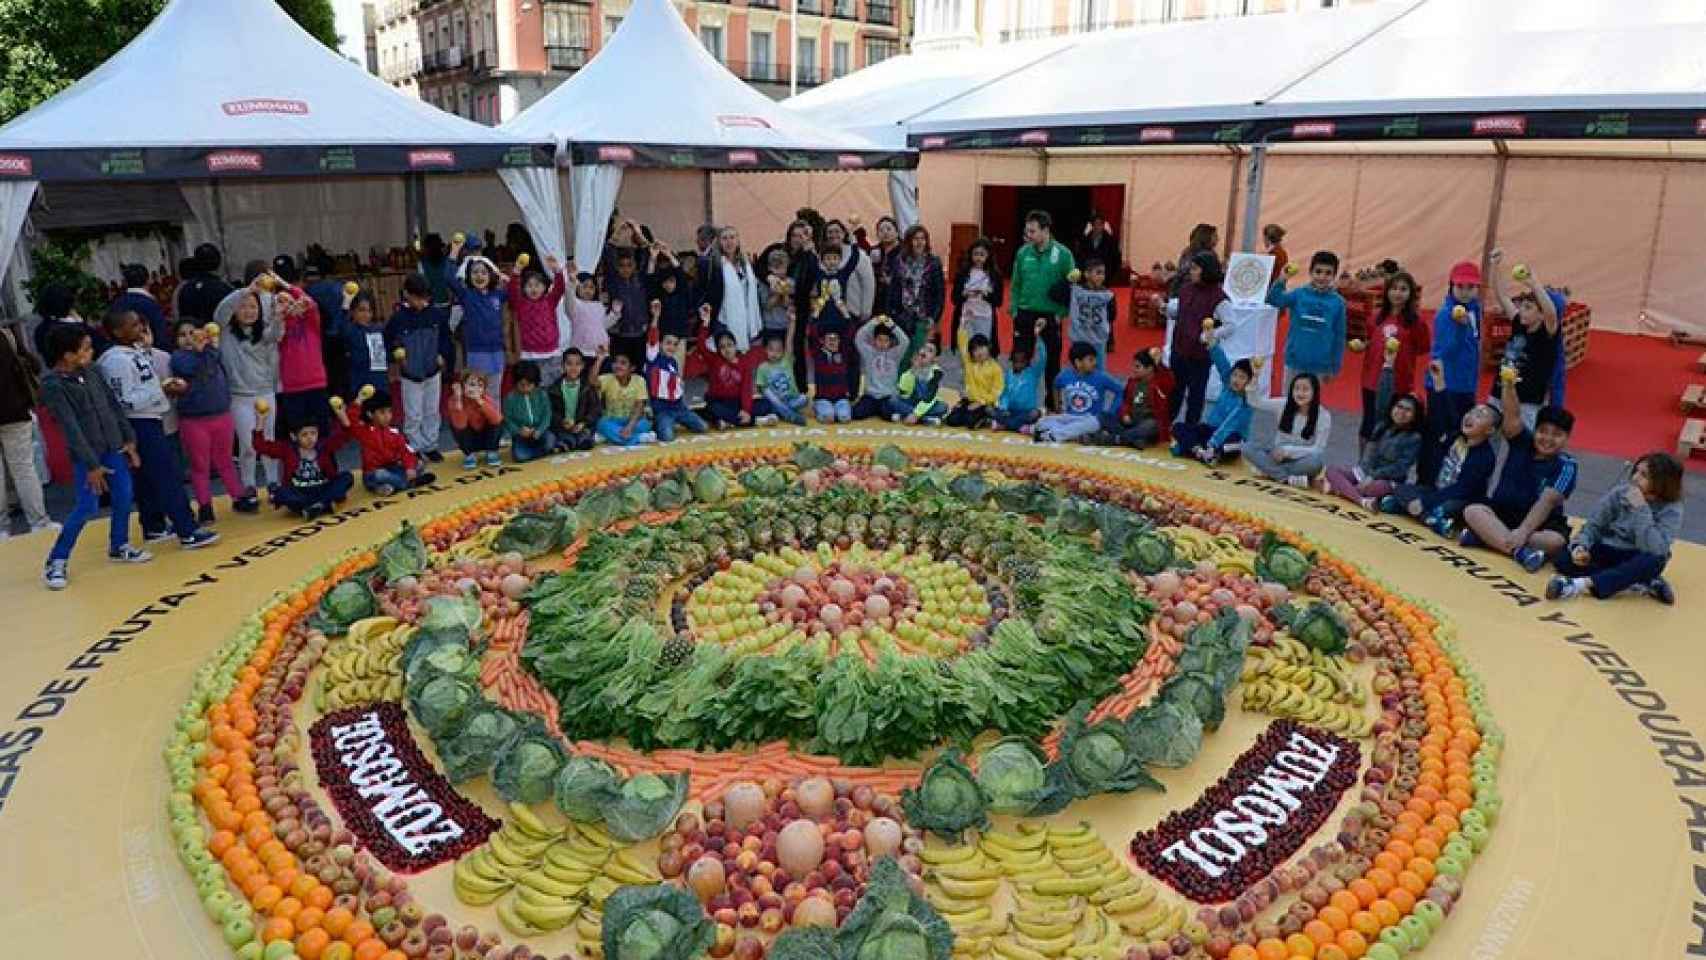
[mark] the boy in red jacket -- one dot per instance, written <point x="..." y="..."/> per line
<point x="1144" y="419"/>
<point x="388" y="463"/>
<point x="310" y="483"/>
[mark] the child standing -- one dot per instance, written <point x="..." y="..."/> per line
<point x="478" y="289"/>
<point x="130" y="372"/>
<point x="729" y="377"/>
<point x="984" y="383"/>
<point x="101" y="443"/>
<point x="1222" y="434"/>
<point x="363" y="339"/>
<point x="1626" y="542"/>
<point x="413" y="337"/>
<point x="250" y="350"/>
<point x="880" y="345"/>
<point x="1396" y="325"/>
<point x="1461" y="479"/>
<point x="625" y="286"/>
<point x="1017" y="407"/>
<point x="312" y="486"/>
<point x="830" y="310"/>
<point x="1535" y="342"/>
<point x="301" y="357"/>
<point x="575" y="401"/>
<point x="777" y="308"/>
<point x="1143" y="410"/>
<point x="1200" y="298"/>
<point x="670" y="290"/>
<point x="625" y="402"/>
<point x="204" y="419"/>
<point x="977" y="293"/>
<point x="664" y="382"/>
<point x="1297" y="453"/>
<point x="1454" y="369"/>
<point x="534" y="302"/>
<point x="1088" y="399"/>
<point x="1093" y="310"/>
<point x="590" y="320"/>
<point x="915" y="392"/>
<point x="832" y="380"/>
<point x="388" y="463"/>
<point x="1315" y="341"/>
<point x="775" y="379"/>
<point x="475" y="420"/>
<point x="1391" y="448"/>
<point x="527" y="414"/>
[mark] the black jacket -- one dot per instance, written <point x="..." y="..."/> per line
<point x="20" y="378"/>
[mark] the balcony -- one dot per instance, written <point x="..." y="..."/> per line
<point x="765" y="4"/>
<point x="809" y="7"/>
<point x="401" y="71"/>
<point x="882" y="13"/>
<point x="845" y="10"/>
<point x="398" y="9"/>
<point x="567" y="58"/>
<point x="774" y="73"/>
<point x="437" y="61"/>
<point x="483" y="61"/>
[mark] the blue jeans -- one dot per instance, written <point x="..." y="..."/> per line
<point x="905" y="408"/>
<point x="1613" y="570"/>
<point x="89" y="505"/>
<point x="792" y="409"/>
<point x="392" y="477"/>
<point x="1188" y="436"/>
<point x="610" y="428"/>
<point x="160" y="482"/>
<point x="1014" y="419"/>
<point x="524" y="449"/>
<point x="668" y="413"/>
<point x="832" y="411"/>
<point x="728" y="411"/>
<point x="326" y="495"/>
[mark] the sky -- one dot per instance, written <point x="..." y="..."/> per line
<point x="349" y="28"/>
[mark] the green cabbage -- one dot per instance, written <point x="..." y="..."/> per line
<point x="1281" y="562"/>
<point x="891" y="456"/>
<point x="343" y="605"/>
<point x="1319" y="627"/>
<point x="892" y="922"/>
<point x="1148" y="552"/>
<point x="925" y="483"/>
<point x="443" y="660"/>
<point x="530" y="534"/>
<point x="442" y="703"/>
<point x="404" y="555"/>
<point x="1030" y="498"/>
<point x="656" y="922"/>
<point x="1165" y="734"/>
<point x="1099" y="758"/>
<point x="453" y="613"/>
<point x="1077" y="516"/>
<point x="486" y="732"/>
<point x="1198" y="693"/>
<point x="1014" y="775"/>
<point x="673" y="493"/>
<point x="804" y="943"/>
<point x="645" y="805"/>
<point x="764" y="481"/>
<point x="970" y="487"/>
<point x="709" y="485"/>
<point x="585" y="787"/>
<point x="598" y="509"/>
<point x="636" y="498"/>
<point x="810" y="456"/>
<point x="948" y="800"/>
<point x="526" y="772"/>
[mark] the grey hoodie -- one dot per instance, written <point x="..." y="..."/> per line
<point x="881" y="367"/>
<point x="1648" y="529"/>
<point x="252" y="368"/>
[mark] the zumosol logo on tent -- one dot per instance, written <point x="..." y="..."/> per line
<point x="1700" y="127"/>
<point x="431" y="158"/>
<point x="1318" y="130"/>
<point x="616" y="154"/>
<point x="743" y="158"/>
<point x="242" y="108"/>
<point x="742" y="120"/>
<point x="847" y="161"/>
<point x="1155" y="135"/>
<point x="227" y="161"/>
<point x="1033" y="137"/>
<point x="15" y="165"/>
<point x="937" y="143"/>
<point x="1505" y="125"/>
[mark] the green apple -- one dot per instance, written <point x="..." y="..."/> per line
<point x="1477" y="834"/>
<point x="1449" y="866"/>
<point x="1460" y="849"/>
<point x="216" y="903"/>
<point x="197" y="729"/>
<point x="278" y="950"/>
<point x="239" y="930"/>
<point x="1430" y="912"/>
<point x="249" y="951"/>
<point x="210" y="873"/>
<point x="1474" y="816"/>
<point x="1383" y="951"/>
<point x="237" y="911"/>
<point x="1397" y="939"/>
<point x="1417" y="929"/>
<point x="1489" y="807"/>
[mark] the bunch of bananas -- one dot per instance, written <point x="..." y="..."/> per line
<point x="1304" y="684"/>
<point x="1223" y="550"/>
<point x="559" y="877"/>
<point x="476" y="547"/>
<point x="364" y="664"/>
<point x="1072" y="897"/>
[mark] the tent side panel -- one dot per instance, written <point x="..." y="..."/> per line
<point x="471" y="203"/>
<point x="762" y="205"/>
<point x="1678" y="286"/>
<point x="264" y="219"/>
<point x="1313" y="198"/>
<point x="671" y="202"/>
<point x="1425" y="212"/>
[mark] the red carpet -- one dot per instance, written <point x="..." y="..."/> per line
<point x="1624" y="394"/>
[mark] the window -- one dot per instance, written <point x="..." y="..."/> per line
<point x="841" y="58"/>
<point x="762" y="53"/>
<point x="806" y="59"/>
<point x="712" y="38"/>
<point x="878" y="49"/>
<point x="568" y="35"/>
<point x="611" y="25"/>
<point x="1091" y="15"/>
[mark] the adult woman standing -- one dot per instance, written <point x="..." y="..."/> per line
<point x="1204" y="239"/>
<point x="803" y="274"/>
<point x="731" y="290"/>
<point x="883" y="257"/>
<point x="916" y="290"/>
<point x="249" y="348"/>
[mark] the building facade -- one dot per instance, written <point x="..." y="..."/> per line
<point x="487" y="60"/>
<point x="957" y="24"/>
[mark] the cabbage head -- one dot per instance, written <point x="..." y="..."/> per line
<point x="948" y="800"/>
<point x="764" y="481"/>
<point x="530" y="534"/>
<point x="1100" y="758"/>
<point x="645" y="805"/>
<point x="585" y="787"/>
<point x="636" y="498"/>
<point x="970" y="487"/>
<point x="343" y="605"/>
<point x="527" y="771"/>
<point x="673" y="493"/>
<point x="1165" y="734"/>
<point x="453" y="613"/>
<point x="441" y="704"/>
<point x="891" y="922"/>
<point x="810" y="456"/>
<point x="655" y="922"/>
<point x="1149" y="552"/>
<point x="1319" y="627"/>
<point x="804" y="943"/>
<point x="1281" y="562"/>
<point x="598" y="509"/>
<point x="1013" y="774"/>
<point x="486" y="732"/>
<point x="891" y="456"/>
<point x="709" y="485"/>
<point x="404" y="555"/>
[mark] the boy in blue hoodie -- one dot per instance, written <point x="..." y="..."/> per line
<point x="1315" y="341"/>
<point x="1454" y="371"/>
<point x="1221" y="434"/>
<point x="1017" y="407"/>
<point x="412" y="334"/>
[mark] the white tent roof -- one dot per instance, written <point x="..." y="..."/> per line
<point x="653" y="96"/>
<point x="234" y="88"/>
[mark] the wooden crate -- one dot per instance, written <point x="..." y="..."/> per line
<point x="1144" y="311"/>
<point x="1693" y="397"/>
<point x="1496" y="332"/>
<point x="1577" y="319"/>
<point x="1692" y="440"/>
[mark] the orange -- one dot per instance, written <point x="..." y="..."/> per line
<point x="1319" y="932"/>
<point x="1384" y="911"/>
<point x="1400" y="849"/>
<point x="337" y="920"/>
<point x="1331" y="951"/>
<point x="1243" y="951"/>
<point x="1271" y="949"/>
<point x="1387" y="861"/>
<point x="311" y="917"/>
<point x="287" y="908"/>
<point x="1409" y="882"/>
<point x="312" y="945"/>
<point x="321" y="897"/>
<point x="1353" y="943"/>
<point x="1402" y="898"/>
<point x="393" y="955"/>
<point x="1298" y="944"/>
<point x="266" y="898"/>
<point x="358" y="931"/>
<point x="371" y="948"/>
<point x="1346" y="901"/>
<point x="1365" y="923"/>
<point x="1365" y="891"/>
<point x="303" y="886"/>
<point x="277" y="928"/>
<point x="1423" y="868"/>
<point x="1382" y="879"/>
<point x="338" y="950"/>
<point x="1334" y="917"/>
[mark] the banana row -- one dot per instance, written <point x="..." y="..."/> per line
<point x="476" y="547"/>
<point x="1319" y="674"/>
<point x="364" y="664"/>
<point x="1193" y="544"/>
<point x="558" y="877"/>
<point x="1283" y="699"/>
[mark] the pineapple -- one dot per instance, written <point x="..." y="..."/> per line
<point x="676" y="651"/>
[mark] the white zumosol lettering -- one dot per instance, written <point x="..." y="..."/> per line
<point x="1180" y="850"/>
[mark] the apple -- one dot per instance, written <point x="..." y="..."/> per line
<point x="238" y="930"/>
<point x="278" y="950"/>
<point x="249" y="951"/>
<point x="217" y="902"/>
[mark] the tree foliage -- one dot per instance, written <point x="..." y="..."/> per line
<point x="46" y="45"/>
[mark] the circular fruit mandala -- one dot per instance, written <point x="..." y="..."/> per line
<point x="823" y="703"/>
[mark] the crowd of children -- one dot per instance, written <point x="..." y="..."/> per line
<point x="550" y="359"/>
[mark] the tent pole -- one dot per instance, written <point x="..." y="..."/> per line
<point x="1495" y="206"/>
<point x="1253" y="195"/>
<point x="1232" y="195"/>
<point x="1653" y="246"/>
<point x="421" y="226"/>
<point x="219" y="219"/>
<point x="710" y="213"/>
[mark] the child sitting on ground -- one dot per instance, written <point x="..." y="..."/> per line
<point x="1221" y="434"/>
<point x="881" y="344"/>
<point x="205" y="424"/>
<point x="728" y="377"/>
<point x="527" y="415"/>
<point x="1092" y="307"/>
<point x="475" y="420"/>
<point x="575" y="402"/>
<point x="1524" y="517"/>
<point x="101" y="445"/>
<point x="1089" y="399"/>
<point x="1461" y="479"/>
<point x="915" y="392"/>
<point x="1017" y="407"/>
<point x="625" y="403"/>
<point x="775" y="379"/>
<point x="1298" y="450"/>
<point x="1626" y="542"/>
<point x="388" y="463"/>
<point x="1144" y="419"/>
<point x="984" y="383"/>
<point x="664" y="382"/>
<point x="1391" y="449"/>
<point x="832" y="380"/>
<point x="310" y="484"/>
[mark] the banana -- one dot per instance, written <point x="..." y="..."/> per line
<point x="1009" y="949"/>
<point x="1092" y="861"/>
<point x="959" y="918"/>
<point x="547" y="918"/>
<point x="503" y="851"/>
<point x="939" y="855"/>
<point x="1131" y="903"/>
<point x="1023" y="878"/>
<point x="483" y="863"/>
<point x="982" y="929"/>
<point x="1170" y="926"/>
<point x="978" y="868"/>
<point x="1014" y="860"/>
<point x="529" y="823"/>
<point x="589" y="926"/>
<point x="1051" y="947"/>
<point x="1069" y="885"/>
<point x="947" y="905"/>
<point x="546" y="884"/>
<point x="514" y="922"/>
<point x="1015" y="841"/>
<point x="631" y="862"/>
<point x="475" y="888"/>
<point x="600" y="889"/>
<point x="1130" y="886"/>
<point x="1139" y="925"/>
<point x="1039" y="930"/>
<point x="627" y="875"/>
<point x="1046" y="906"/>
<point x="968" y="889"/>
<point x="596" y="835"/>
<point x="565" y="855"/>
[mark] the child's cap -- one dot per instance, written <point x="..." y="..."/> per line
<point x="472" y="241"/>
<point x="1466" y="272"/>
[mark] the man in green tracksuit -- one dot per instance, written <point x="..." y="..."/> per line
<point x="1039" y="272"/>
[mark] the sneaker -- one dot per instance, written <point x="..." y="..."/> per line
<point x="1444" y="526"/>
<point x="894" y="418"/>
<point x="129" y="554"/>
<point x="1297" y="481"/>
<point x="766" y="420"/>
<point x="493" y="460"/>
<point x="1391" y="504"/>
<point x="647" y="437"/>
<point x="384" y="490"/>
<point x="1562" y="588"/>
<point x="1530" y="559"/>
<point x="1369" y="504"/>
<point x="55" y="575"/>
<point x="1468" y="539"/>
<point x="932" y="421"/>
<point x="315" y="510"/>
<point x="204" y="515"/>
<point x="425" y="479"/>
<point x="469" y="461"/>
<point x="198" y="539"/>
<point x="47" y="526"/>
<point x="246" y="504"/>
<point x="1660" y="589"/>
<point x="434" y="456"/>
<point x="156" y="536"/>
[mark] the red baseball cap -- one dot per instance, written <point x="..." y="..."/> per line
<point x="1466" y="272"/>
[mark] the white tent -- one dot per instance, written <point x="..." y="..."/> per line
<point x="227" y="90"/>
<point x="654" y="97"/>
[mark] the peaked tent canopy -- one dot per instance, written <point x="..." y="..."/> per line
<point x="234" y="88"/>
<point x="654" y="97"/>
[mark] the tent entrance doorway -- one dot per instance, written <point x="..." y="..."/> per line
<point x="1004" y="209"/>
